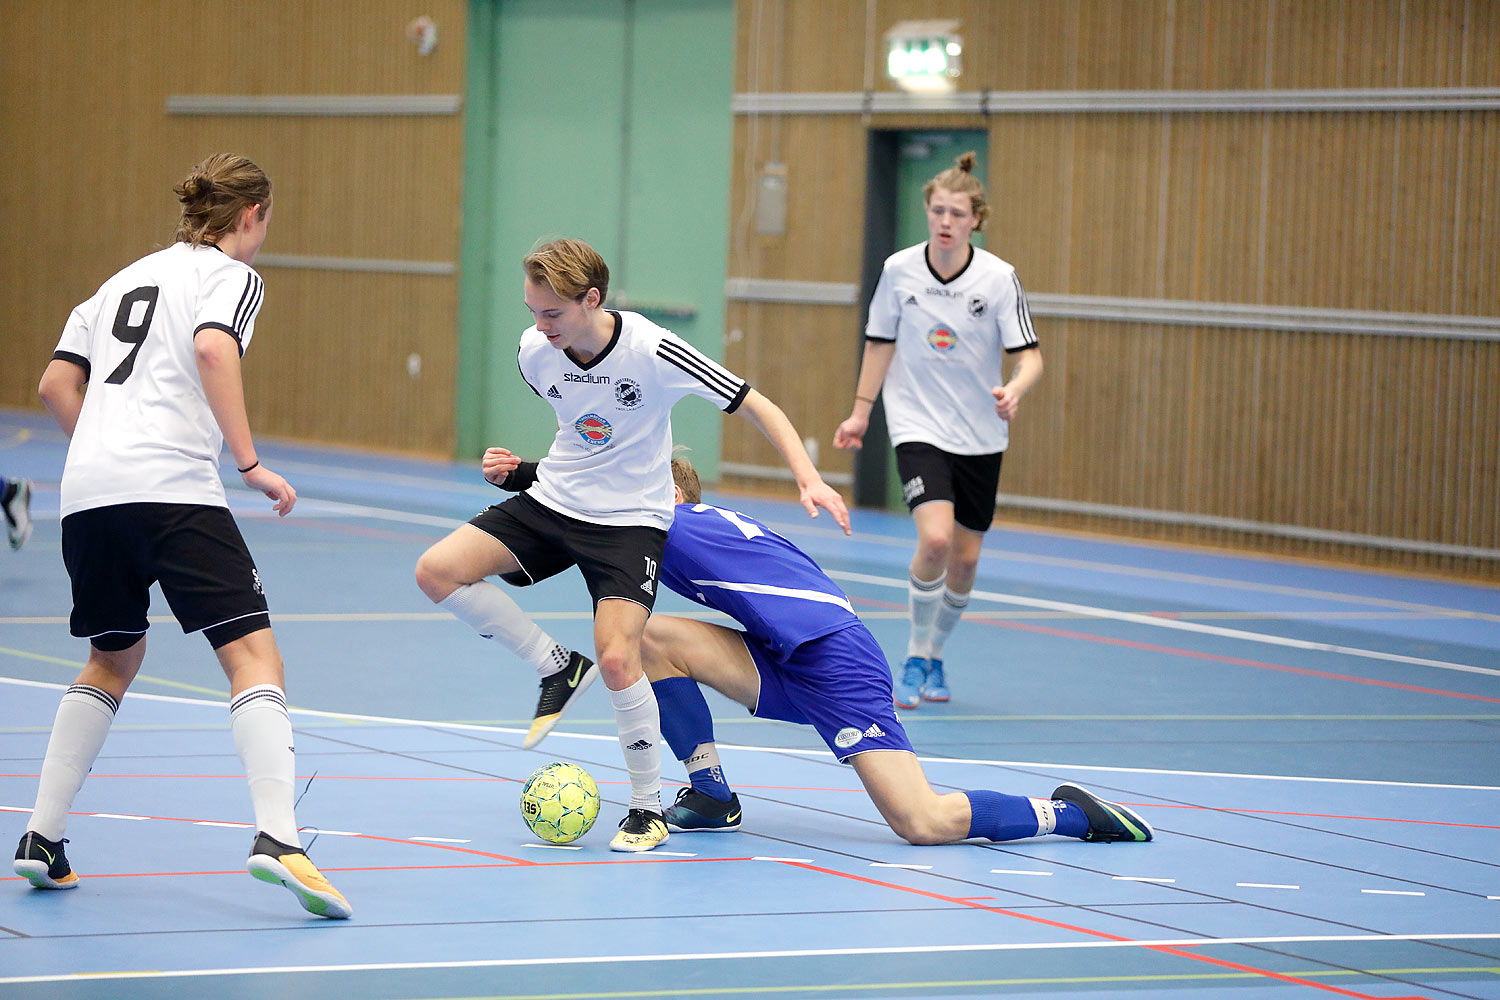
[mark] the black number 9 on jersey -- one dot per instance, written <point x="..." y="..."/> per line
<point x="128" y="333"/>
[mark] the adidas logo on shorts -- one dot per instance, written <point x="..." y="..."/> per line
<point x="874" y="730"/>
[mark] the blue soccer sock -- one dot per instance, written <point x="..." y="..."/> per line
<point x="997" y="816"/>
<point x="688" y="727"/>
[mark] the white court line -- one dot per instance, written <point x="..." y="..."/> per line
<point x="115" y="816"/>
<point x="494" y="963"/>
<point x="232" y="826"/>
<point x="1266" y="885"/>
<point x="1045" y="765"/>
<point x="1392" y="892"/>
<point x="797" y="861"/>
<point x="441" y="840"/>
<point x="1026" y="602"/>
<point x="915" y="868"/>
<point x="1183" y="626"/>
<point x="556" y="847"/>
<point x="1014" y="871"/>
<point x="1143" y="878"/>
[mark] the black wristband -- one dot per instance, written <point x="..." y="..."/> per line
<point x="249" y="467"/>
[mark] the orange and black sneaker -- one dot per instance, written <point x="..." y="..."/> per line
<point x="42" y="863"/>
<point x="275" y="862"/>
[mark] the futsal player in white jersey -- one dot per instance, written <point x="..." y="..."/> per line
<point x="944" y="316"/>
<point x="802" y="655"/>
<point x="601" y="500"/>
<point x="146" y="383"/>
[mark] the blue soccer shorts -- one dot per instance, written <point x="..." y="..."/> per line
<point x="839" y="684"/>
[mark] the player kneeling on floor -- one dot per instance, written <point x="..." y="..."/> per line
<point x="804" y="656"/>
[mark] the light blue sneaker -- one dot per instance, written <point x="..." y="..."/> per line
<point x="934" y="686"/>
<point x="909" y="687"/>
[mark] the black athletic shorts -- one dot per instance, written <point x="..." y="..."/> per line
<point x="616" y="560"/>
<point x="195" y="551"/>
<point x="966" y="481"/>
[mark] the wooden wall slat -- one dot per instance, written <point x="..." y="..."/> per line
<point x="90" y="156"/>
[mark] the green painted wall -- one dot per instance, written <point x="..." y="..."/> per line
<point x="609" y="121"/>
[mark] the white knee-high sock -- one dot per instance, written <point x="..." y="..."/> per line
<point x="922" y="600"/>
<point x="639" y="724"/>
<point x="949" y="611"/>
<point x="488" y="610"/>
<point x="83" y="719"/>
<point x="263" y="739"/>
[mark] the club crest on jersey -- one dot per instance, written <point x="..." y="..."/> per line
<point x="594" y="429"/>
<point x="977" y="306"/>
<point x="942" y="339"/>
<point x="628" y="393"/>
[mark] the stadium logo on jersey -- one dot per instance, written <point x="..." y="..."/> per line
<point x="552" y="392"/>
<point x="594" y="429"/>
<point x="847" y="737"/>
<point x="942" y="339"/>
<point x="591" y="379"/>
<point x="977" y="306"/>
<point x="913" y="488"/>
<point x="628" y="393"/>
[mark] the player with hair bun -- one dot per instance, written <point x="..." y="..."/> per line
<point x="146" y="383"/>
<point x="944" y="315"/>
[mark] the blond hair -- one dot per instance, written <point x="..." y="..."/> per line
<point x="686" y="478"/>
<point x="213" y="195"/>
<point x="960" y="179"/>
<point x="569" y="267"/>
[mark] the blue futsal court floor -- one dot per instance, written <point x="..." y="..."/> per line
<point x="1317" y="748"/>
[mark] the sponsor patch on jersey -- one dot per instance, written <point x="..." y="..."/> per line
<point x="594" y="429"/>
<point x="628" y="393"/>
<point x="977" y="306"/>
<point x="942" y="339"/>
<point x="847" y="737"/>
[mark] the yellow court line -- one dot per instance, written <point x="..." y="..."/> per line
<point x="76" y="665"/>
<point x="960" y="983"/>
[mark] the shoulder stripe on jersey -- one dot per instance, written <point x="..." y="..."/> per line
<point x="523" y="375"/>
<point x="762" y="588"/>
<point x="249" y="304"/>
<point x="1023" y="312"/>
<point x="700" y="367"/>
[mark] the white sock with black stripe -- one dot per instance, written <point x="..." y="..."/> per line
<point x="263" y="739"/>
<point x="949" y="611"/>
<point x="638" y="721"/>
<point x="922" y="600"/>
<point x="83" y="719"/>
<point x="489" y="611"/>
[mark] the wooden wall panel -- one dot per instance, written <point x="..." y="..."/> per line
<point x="91" y="155"/>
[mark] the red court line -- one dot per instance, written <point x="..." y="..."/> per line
<point x="1164" y="949"/>
<point x="1279" y="812"/>
<point x="1211" y="657"/>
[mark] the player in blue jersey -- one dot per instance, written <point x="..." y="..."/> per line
<point x="804" y="656"/>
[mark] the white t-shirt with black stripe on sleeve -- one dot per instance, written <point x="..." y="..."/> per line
<point x="611" y="461"/>
<point x="146" y="433"/>
<point x="951" y="338"/>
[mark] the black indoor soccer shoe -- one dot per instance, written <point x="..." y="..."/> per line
<point x="694" y="811"/>
<point x="559" y="691"/>
<point x="640" y="830"/>
<point x="1108" y="821"/>
<point x="42" y="863"/>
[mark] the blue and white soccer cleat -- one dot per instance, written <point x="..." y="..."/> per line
<point x="908" y="692"/>
<point x="934" y="686"/>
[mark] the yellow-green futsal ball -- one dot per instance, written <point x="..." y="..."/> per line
<point x="560" y="802"/>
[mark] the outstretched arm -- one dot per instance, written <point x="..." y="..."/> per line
<point x="813" y="492"/>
